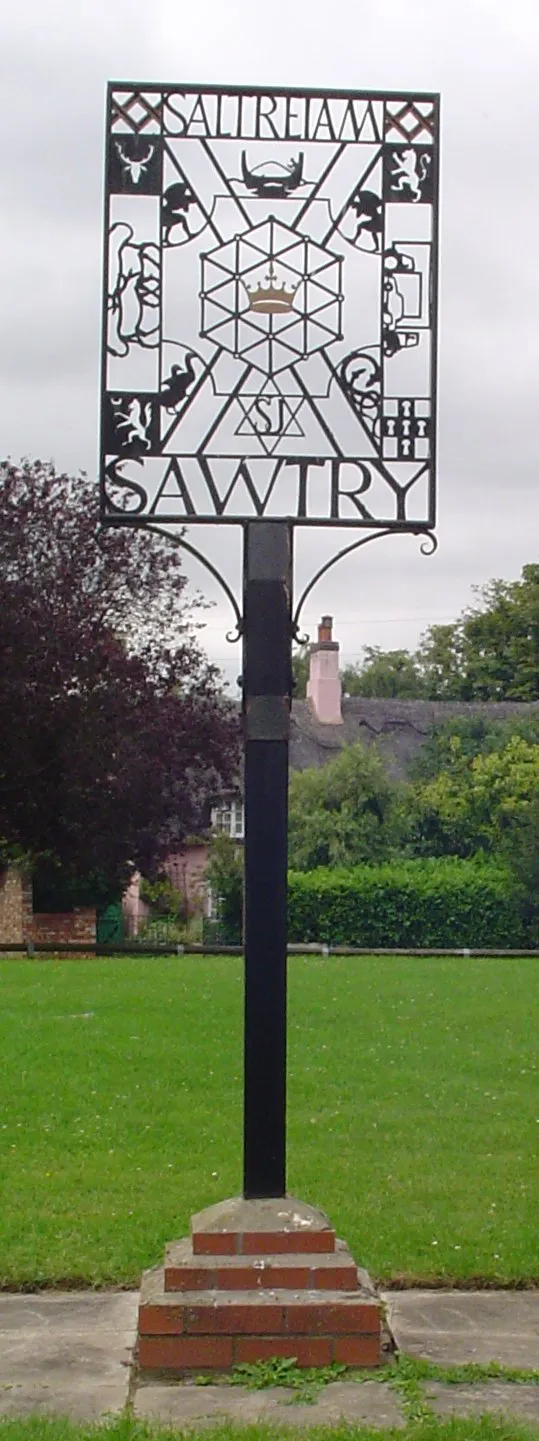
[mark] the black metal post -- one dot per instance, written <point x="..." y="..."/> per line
<point x="267" y="684"/>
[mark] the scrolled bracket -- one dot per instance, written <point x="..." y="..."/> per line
<point x="430" y="544"/>
<point x="428" y="547"/>
<point x="296" y="635"/>
<point x="232" y="635"/>
<point x="356" y="544"/>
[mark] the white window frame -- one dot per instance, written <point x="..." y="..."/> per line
<point x="235" y="820"/>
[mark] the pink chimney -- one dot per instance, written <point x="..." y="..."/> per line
<point x="324" y="684"/>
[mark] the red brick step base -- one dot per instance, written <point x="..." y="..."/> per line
<point x="257" y="1279"/>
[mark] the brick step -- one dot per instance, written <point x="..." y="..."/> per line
<point x="261" y="1228"/>
<point x="186" y="1271"/>
<point x="216" y="1329"/>
<point x="178" y="1354"/>
<point x="268" y="1311"/>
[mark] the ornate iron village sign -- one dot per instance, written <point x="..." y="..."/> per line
<point x="270" y="307"/>
<point x="269" y="360"/>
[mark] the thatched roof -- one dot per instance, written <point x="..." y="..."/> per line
<point x="399" y="727"/>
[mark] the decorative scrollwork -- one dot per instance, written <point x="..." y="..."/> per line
<point x="430" y="544"/>
<point x="296" y="636"/>
<point x="298" y="281"/>
<point x="355" y="545"/>
<point x="231" y="636"/>
<point x="428" y="547"/>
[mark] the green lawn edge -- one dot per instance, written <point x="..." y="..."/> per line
<point x="129" y="1428"/>
<point x="412" y="1113"/>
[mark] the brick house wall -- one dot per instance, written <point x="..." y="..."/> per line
<point x="19" y="924"/>
<point x="71" y="928"/>
<point x="15" y="906"/>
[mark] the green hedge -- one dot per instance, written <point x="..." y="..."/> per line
<point x="445" y="902"/>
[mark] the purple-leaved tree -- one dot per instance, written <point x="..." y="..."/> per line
<point x="114" y="733"/>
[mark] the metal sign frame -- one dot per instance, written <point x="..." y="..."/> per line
<point x="269" y="360"/>
<point x="270" y="307"/>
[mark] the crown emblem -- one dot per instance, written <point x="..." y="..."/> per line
<point x="271" y="299"/>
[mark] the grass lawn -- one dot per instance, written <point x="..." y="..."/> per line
<point x="485" y="1428"/>
<point x="413" y="1111"/>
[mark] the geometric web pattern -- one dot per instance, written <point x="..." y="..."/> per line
<point x="270" y="306"/>
<point x="310" y="276"/>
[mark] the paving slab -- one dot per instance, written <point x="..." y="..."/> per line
<point x="453" y="1327"/>
<point x="67" y="1354"/>
<point x="521" y="1403"/>
<point x="369" y="1403"/>
<point x="70" y="1354"/>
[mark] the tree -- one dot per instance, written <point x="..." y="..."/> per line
<point x="521" y="853"/>
<point x="225" y="879"/>
<point x="390" y="674"/>
<point x="343" y="813"/>
<point x="476" y="802"/>
<point x="300" y="672"/>
<point x="113" y="732"/>
<point x="478" y="735"/>
<point x="439" y="660"/>
<point x="492" y="651"/>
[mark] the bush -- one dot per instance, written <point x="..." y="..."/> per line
<point x="344" y="812"/>
<point x="165" y="900"/>
<point x="521" y="853"/>
<point x="54" y="890"/>
<point x="446" y="902"/>
<point x="225" y="879"/>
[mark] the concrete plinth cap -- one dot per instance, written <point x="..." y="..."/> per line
<point x="281" y="1213"/>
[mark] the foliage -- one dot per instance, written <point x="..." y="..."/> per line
<point x="475" y="801"/>
<point x="445" y="903"/>
<point x="300" y="672"/>
<point x="54" y="889"/>
<point x="466" y="1373"/>
<point x="168" y="933"/>
<point x="163" y="898"/>
<point x="521" y="852"/>
<point x="440" y="660"/>
<point x="478" y="734"/>
<point x="388" y="674"/>
<point x="475" y="788"/>
<point x="113" y="733"/>
<point x="492" y="651"/>
<point x="306" y="1381"/>
<point x="342" y="813"/>
<point x="225" y="878"/>
<point x="128" y="1427"/>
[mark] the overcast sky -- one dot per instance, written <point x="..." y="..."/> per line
<point x="55" y="58"/>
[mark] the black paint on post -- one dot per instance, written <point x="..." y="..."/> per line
<point x="267" y="681"/>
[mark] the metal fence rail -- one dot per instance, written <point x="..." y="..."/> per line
<point x="131" y="948"/>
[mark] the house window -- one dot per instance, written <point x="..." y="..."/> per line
<point x="229" y="820"/>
